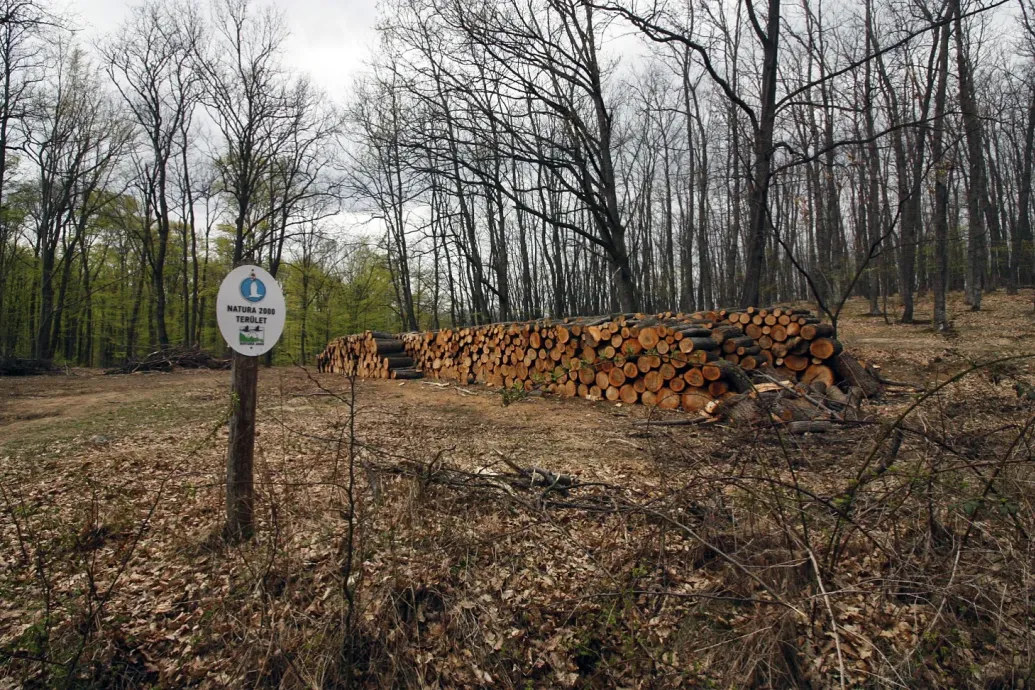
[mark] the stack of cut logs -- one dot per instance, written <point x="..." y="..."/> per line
<point x="793" y="341"/>
<point x="372" y="355"/>
<point x="667" y="360"/>
<point x="799" y="347"/>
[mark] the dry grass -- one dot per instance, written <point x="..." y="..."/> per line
<point x="893" y="553"/>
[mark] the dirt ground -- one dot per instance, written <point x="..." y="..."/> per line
<point x="392" y="552"/>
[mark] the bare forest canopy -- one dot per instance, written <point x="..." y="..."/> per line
<point x="508" y="160"/>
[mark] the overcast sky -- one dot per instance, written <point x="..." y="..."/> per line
<point x="329" y="40"/>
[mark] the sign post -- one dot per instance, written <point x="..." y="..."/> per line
<point x="250" y="312"/>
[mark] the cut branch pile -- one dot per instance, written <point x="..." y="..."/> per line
<point x="671" y="361"/>
<point x="372" y="355"/>
<point x="168" y="358"/>
<point x="17" y="366"/>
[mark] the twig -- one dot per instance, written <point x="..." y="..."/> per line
<point x="674" y="422"/>
<point x="899" y="384"/>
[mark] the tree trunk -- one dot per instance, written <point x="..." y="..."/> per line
<point x="758" y="187"/>
<point x="977" y="194"/>
<point x="43" y="349"/>
<point x="941" y="189"/>
<point x="1023" y="259"/>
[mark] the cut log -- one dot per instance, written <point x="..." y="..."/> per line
<point x="668" y="400"/>
<point x="695" y="343"/>
<point x="724" y="333"/>
<point x="628" y="394"/>
<point x="796" y="362"/>
<point x="648" y="337"/>
<point x="653" y="381"/>
<point x="694" y="332"/>
<point x="818" y="373"/>
<point x="825" y="348"/>
<point x="694" y="377"/>
<point x="387" y="347"/>
<point x="586" y="375"/>
<point x="812" y="331"/>
<point x="694" y="400"/>
<point x="740" y="410"/>
<point x="616" y="378"/>
<point x="856" y="375"/>
<point x="631" y="347"/>
<point x="732" y="344"/>
<point x="701" y="357"/>
<point x="718" y="388"/>
<point x="711" y="372"/>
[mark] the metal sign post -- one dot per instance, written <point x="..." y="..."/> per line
<point x="250" y="312"/>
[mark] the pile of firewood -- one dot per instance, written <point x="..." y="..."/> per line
<point x="799" y="347"/>
<point x="372" y="355"/>
<point x="667" y="360"/>
<point x="166" y="359"/>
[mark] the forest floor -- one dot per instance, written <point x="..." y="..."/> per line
<point x="397" y="547"/>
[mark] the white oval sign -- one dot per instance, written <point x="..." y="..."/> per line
<point x="250" y="310"/>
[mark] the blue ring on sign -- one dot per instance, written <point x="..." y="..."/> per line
<point x="253" y="289"/>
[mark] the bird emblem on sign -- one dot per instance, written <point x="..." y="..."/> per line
<point x="253" y="289"/>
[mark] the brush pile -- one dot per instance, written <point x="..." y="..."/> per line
<point x="18" y="366"/>
<point x="668" y="360"/>
<point x="166" y="359"/>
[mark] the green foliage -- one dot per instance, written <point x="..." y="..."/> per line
<point x="108" y="310"/>
<point x="514" y="394"/>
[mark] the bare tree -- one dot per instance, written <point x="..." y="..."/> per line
<point x="941" y="187"/>
<point x="150" y="62"/>
<point x="530" y="79"/>
<point x="381" y="177"/>
<point x="247" y="93"/>
<point x="22" y="64"/>
<point x="73" y="137"/>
